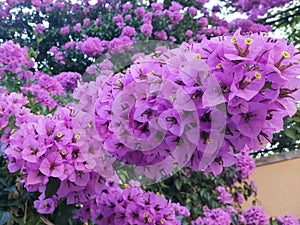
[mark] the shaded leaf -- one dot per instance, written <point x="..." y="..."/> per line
<point x="52" y="187"/>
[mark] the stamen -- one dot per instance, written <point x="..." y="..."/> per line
<point x="285" y="54"/>
<point x="257" y="75"/>
<point x="219" y="66"/>
<point x="209" y="141"/>
<point x="248" y="41"/>
<point x="63" y="152"/>
<point x="233" y="40"/>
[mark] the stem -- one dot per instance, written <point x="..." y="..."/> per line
<point x="46" y="221"/>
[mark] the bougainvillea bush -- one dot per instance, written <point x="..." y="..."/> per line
<point x="119" y="112"/>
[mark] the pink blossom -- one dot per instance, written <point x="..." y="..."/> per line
<point x="40" y="28"/>
<point x="193" y="11"/>
<point x="77" y="27"/>
<point x="65" y="30"/>
<point x="91" y="69"/>
<point x="188" y="33"/>
<point x="128" y="31"/>
<point x="172" y="39"/>
<point x="255" y="215"/>
<point x="127" y="6"/>
<point x="161" y="35"/>
<point x="97" y="21"/>
<point x="91" y="46"/>
<point x="86" y="22"/>
<point x="157" y="6"/>
<point x="127" y="17"/>
<point x="147" y="18"/>
<point x="203" y="22"/>
<point x="140" y="11"/>
<point x="146" y="28"/>
<point x="36" y="3"/>
<point x="45" y="206"/>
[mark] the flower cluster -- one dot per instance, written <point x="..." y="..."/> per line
<point x="111" y="204"/>
<point x="48" y="148"/>
<point x="258" y="8"/>
<point x="214" y="216"/>
<point x="91" y="46"/>
<point x="258" y="82"/>
<point x="14" y="58"/>
<point x="151" y="125"/>
<point x="11" y="105"/>
<point x="254" y="78"/>
<point x="288" y="220"/>
<point x="44" y="87"/>
<point x="173" y="15"/>
<point x="249" y="26"/>
<point x="245" y="164"/>
<point x="44" y="148"/>
<point x="206" y="105"/>
<point x="224" y="197"/>
<point x="58" y="54"/>
<point x="68" y="80"/>
<point x="255" y="215"/>
<point x="131" y="205"/>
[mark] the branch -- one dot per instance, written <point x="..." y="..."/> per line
<point x="277" y="14"/>
<point x="46" y="221"/>
<point x="282" y="18"/>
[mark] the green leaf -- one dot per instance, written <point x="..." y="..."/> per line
<point x="178" y="184"/>
<point x="64" y="214"/>
<point x="4" y="217"/>
<point x="290" y="133"/>
<point x="52" y="187"/>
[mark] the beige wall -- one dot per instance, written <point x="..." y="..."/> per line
<point x="279" y="187"/>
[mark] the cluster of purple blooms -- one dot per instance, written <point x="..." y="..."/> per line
<point x="288" y="220"/>
<point x="44" y="87"/>
<point x="255" y="215"/>
<point x="59" y="54"/>
<point x="48" y="147"/>
<point x="143" y="116"/>
<point x="131" y="205"/>
<point x="148" y="13"/>
<point x="258" y="82"/>
<point x="259" y="7"/>
<point x="45" y="147"/>
<point x="252" y="76"/>
<point x="171" y="108"/>
<point x="214" y="216"/>
<point x="68" y="80"/>
<point x="13" y="59"/>
<point x="245" y="164"/>
<point x="11" y="105"/>
<point x="224" y="196"/>
<point x="91" y="46"/>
